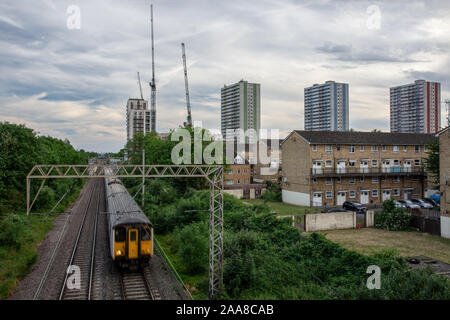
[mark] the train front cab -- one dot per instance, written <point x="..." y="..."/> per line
<point x="132" y="244"/>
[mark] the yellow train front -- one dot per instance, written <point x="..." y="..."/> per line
<point x="130" y="231"/>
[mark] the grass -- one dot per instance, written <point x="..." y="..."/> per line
<point x="16" y="263"/>
<point x="407" y="243"/>
<point x="282" y="209"/>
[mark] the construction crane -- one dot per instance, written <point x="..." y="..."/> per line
<point x="188" y="102"/>
<point x="140" y="87"/>
<point x="152" y="83"/>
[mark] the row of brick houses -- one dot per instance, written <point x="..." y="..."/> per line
<point x="444" y="170"/>
<point x="326" y="168"/>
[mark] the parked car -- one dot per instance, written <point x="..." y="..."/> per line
<point x="422" y="203"/>
<point x="409" y="204"/>
<point x="354" y="206"/>
<point x="432" y="202"/>
<point x="398" y="204"/>
<point x="337" y="210"/>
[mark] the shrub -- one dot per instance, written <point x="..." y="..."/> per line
<point x="193" y="245"/>
<point x="392" y="218"/>
<point x="272" y="193"/>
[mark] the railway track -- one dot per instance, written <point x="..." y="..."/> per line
<point x="83" y="253"/>
<point x="136" y="286"/>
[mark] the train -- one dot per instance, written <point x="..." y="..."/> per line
<point x="130" y="231"/>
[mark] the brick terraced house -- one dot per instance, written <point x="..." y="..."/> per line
<point x="444" y="170"/>
<point x="327" y="168"/>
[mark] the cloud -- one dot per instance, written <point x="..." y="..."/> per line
<point x="75" y="83"/>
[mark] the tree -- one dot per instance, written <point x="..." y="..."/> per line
<point x="432" y="163"/>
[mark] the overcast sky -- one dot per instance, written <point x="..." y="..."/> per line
<point x="74" y="83"/>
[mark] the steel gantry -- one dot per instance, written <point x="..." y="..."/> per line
<point x="212" y="173"/>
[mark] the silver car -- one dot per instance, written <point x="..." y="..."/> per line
<point x="422" y="203"/>
<point x="409" y="204"/>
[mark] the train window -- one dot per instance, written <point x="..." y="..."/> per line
<point x="145" y="233"/>
<point x="119" y="234"/>
<point x="133" y="236"/>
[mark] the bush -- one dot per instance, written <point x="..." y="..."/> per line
<point x="193" y="243"/>
<point x="392" y="218"/>
<point x="12" y="231"/>
<point x="272" y="193"/>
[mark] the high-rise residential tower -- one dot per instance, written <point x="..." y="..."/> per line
<point x="326" y="107"/>
<point x="240" y="109"/>
<point x="137" y="110"/>
<point x="416" y="107"/>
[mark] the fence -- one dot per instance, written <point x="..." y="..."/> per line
<point x="426" y="220"/>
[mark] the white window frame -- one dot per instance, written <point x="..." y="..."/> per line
<point x="326" y="181"/>
<point x="350" y="194"/>
<point x="405" y="148"/>
<point x="375" y="149"/>
<point x="416" y="149"/>
<point x="397" y="192"/>
<point x="351" y="149"/>
<point x="328" y="148"/>
<point x="361" y="148"/>
<point x="314" y="147"/>
<point x="384" y="148"/>
<point x="376" y="161"/>
<point x="350" y="179"/>
<point x="331" y="164"/>
<point x="375" y="179"/>
<point x="329" y="195"/>
<point x="415" y="161"/>
<point x="375" y="193"/>
<point x="395" y="149"/>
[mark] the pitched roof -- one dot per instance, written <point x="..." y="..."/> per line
<point x="442" y="131"/>
<point x="359" y="137"/>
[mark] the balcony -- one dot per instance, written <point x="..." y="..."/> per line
<point x="393" y="170"/>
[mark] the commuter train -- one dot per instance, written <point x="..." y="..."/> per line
<point x="130" y="231"/>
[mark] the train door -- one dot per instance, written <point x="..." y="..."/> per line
<point x="133" y="244"/>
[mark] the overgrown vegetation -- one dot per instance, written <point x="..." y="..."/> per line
<point x="266" y="258"/>
<point x="392" y="218"/>
<point x="272" y="192"/>
<point x="21" y="149"/>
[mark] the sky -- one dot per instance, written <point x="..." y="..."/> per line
<point x="71" y="78"/>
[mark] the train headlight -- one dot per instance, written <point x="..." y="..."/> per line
<point x="118" y="252"/>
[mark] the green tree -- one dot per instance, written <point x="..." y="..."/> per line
<point x="432" y="163"/>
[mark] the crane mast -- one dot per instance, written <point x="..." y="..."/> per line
<point x="140" y="87"/>
<point x="152" y="83"/>
<point x="188" y="102"/>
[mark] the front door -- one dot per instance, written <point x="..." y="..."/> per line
<point x="386" y="165"/>
<point x="364" y="197"/>
<point x="317" y="167"/>
<point x="386" y="195"/>
<point x="407" y="165"/>
<point x="364" y="166"/>
<point x="340" y="166"/>
<point x="317" y="199"/>
<point x="341" y="198"/>
<point x="133" y="244"/>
